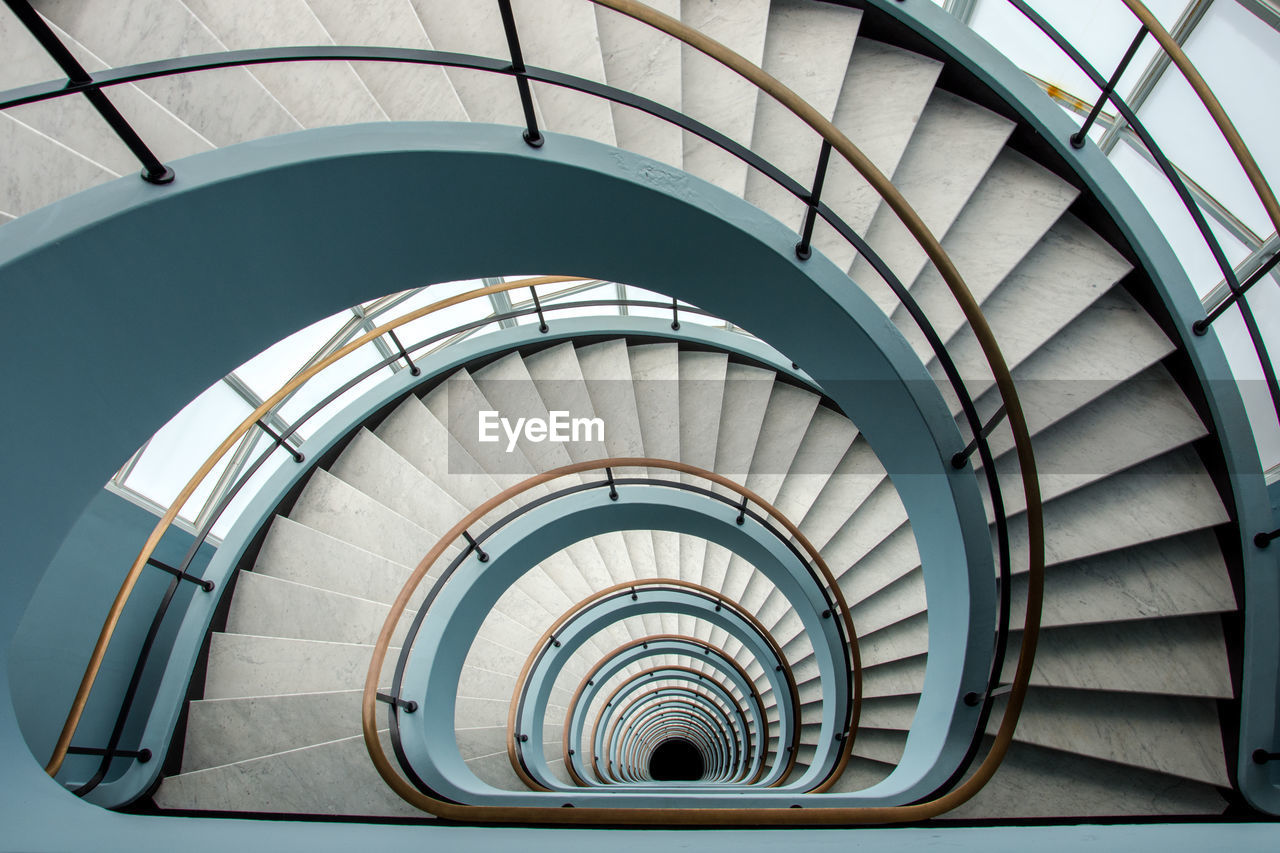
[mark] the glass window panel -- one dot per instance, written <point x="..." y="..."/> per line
<point x="1231" y="331"/>
<point x="236" y="508"/>
<point x="268" y="371"/>
<point x="418" y="330"/>
<point x="1100" y="29"/>
<point x="639" y="293"/>
<point x="1243" y="77"/>
<point x="182" y="445"/>
<point x="1160" y="199"/>
<point x="328" y="380"/>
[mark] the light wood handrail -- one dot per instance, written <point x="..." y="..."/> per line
<point x="135" y="571"/>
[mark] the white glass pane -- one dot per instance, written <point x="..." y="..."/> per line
<point x="1100" y="29"/>
<point x="638" y="293"/>
<point x="328" y="380"/>
<point x="182" y="445"/>
<point x="1230" y="328"/>
<point x="266" y="372"/>
<point x="277" y="460"/>
<point x="1239" y="57"/>
<point x="415" y="331"/>
<point x="1169" y="213"/>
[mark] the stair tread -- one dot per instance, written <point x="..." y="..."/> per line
<point x="224" y="106"/>
<point x="335" y="778"/>
<point x="404" y="92"/>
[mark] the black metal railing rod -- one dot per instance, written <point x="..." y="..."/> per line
<point x="206" y="585"/>
<point x="531" y="134"/>
<point x="414" y="370"/>
<point x="475" y="546"/>
<point x="280" y="441"/>
<point x="406" y="705"/>
<point x="1262" y="756"/>
<point x="1179" y="186"/>
<point x="962" y="458"/>
<point x="1200" y="327"/>
<point x="537" y="306"/>
<point x="131" y="692"/>
<point x="803" y="249"/>
<point x="742" y="513"/>
<point x="613" y="496"/>
<point x="153" y="171"/>
<point x="675" y="315"/>
<point x="142" y="755"/>
<point x="1262" y="540"/>
<point x="1079" y="137"/>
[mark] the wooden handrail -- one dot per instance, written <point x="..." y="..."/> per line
<point x="756" y="698"/>
<point x="135" y="571"/>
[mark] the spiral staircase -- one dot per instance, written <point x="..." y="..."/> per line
<point x="1132" y="707"/>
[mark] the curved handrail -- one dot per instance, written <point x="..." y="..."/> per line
<point x="587" y="679"/>
<point x="460" y="529"/>
<point x="540" y="646"/>
<point x="534" y="814"/>
<point x="135" y="571"/>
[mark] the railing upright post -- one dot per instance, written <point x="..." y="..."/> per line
<point x="1078" y="138"/>
<point x="414" y="370"/>
<point x="531" y="134"/>
<point x="675" y="315"/>
<point x="153" y="171"/>
<point x="1201" y="327"/>
<point x="803" y="249"/>
<point x="281" y="441"/>
<point x="960" y="459"/>
<point x="537" y="306"/>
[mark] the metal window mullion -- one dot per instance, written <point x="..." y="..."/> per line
<point x="1216" y="210"/>
<point x="1190" y="18"/>
<point x="250" y="397"/>
<point x="1268" y="11"/>
<point x="501" y="302"/>
<point x="240" y="459"/>
<point x="962" y="9"/>
<point x="1244" y="270"/>
<point x="123" y="474"/>
<point x="383" y="348"/>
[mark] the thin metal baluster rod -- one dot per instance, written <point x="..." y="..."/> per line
<point x="1078" y="138"/>
<point x="531" y="134"/>
<point x="803" y="249"/>
<point x="153" y="171"/>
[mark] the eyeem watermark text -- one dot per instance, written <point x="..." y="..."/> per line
<point x="557" y="426"/>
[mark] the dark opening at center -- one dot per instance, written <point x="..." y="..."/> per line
<point x="676" y="760"/>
